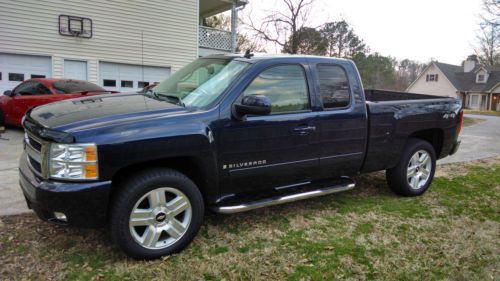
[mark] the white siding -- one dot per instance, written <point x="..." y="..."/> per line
<point x="169" y="29"/>
<point x="442" y="87"/>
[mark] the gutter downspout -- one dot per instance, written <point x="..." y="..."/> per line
<point x="234" y="27"/>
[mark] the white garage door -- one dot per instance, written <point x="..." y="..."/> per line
<point x="74" y="69"/>
<point x="127" y="77"/>
<point x="16" y="68"/>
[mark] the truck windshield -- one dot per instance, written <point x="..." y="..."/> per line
<point x="201" y="82"/>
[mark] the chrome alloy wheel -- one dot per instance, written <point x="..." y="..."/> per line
<point x="419" y="169"/>
<point x="160" y="218"/>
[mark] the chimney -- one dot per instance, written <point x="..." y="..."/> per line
<point x="470" y="63"/>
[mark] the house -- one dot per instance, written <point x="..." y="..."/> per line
<point x="478" y="86"/>
<point x="122" y="45"/>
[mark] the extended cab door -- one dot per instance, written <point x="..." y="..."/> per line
<point x="276" y="150"/>
<point x="343" y="119"/>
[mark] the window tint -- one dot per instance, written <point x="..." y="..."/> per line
<point x="284" y="85"/>
<point x="109" y="83"/>
<point x="333" y="86"/>
<point x="72" y="86"/>
<point x="37" y="76"/>
<point x="127" y="84"/>
<point x="0" y="76"/>
<point x="31" y="89"/>
<point x="42" y="90"/>
<point x="16" y="77"/>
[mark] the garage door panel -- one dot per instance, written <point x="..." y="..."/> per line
<point x="25" y="65"/>
<point x="127" y="77"/>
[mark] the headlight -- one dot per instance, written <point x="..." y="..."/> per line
<point x="73" y="161"/>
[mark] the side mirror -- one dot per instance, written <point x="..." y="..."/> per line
<point x="253" y="105"/>
<point x="8" y="93"/>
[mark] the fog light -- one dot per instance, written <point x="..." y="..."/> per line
<point x="60" y="216"/>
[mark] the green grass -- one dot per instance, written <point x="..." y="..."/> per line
<point x="451" y="232"/>
<point x="482" y="112"/>
<point x="467" y="121"/>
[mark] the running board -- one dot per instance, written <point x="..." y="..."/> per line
<point x="284" y="199"/>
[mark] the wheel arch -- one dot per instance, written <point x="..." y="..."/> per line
<point x="434" y="136"/>
<point x="191" y="166"/>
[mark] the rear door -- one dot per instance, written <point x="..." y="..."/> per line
<point x="274" y="151"/>
<point x="343" y="120"/>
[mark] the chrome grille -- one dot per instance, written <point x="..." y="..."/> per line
<point x="35" y="149"/>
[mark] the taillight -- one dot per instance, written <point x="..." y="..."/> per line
<point x="460" y="120"/>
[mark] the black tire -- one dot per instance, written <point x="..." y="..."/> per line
<point x="134" y="189"/>
<point x="2" y="119"/>
<point x="397" y="177"/>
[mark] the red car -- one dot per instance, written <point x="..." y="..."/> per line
<point x="40" y="91"/>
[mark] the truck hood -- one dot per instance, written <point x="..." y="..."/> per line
<point x="95" y="111"/>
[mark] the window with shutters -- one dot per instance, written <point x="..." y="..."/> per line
<point x="431" y="78"/>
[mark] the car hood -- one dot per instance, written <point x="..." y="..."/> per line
<point x="101" y="110"/>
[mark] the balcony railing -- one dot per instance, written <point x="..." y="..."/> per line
<point x="212" y="38"/>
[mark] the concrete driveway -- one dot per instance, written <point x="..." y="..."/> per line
<point x="478" y="141"/>
<point x="11" y="198"/>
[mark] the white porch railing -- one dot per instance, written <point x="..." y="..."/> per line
<point x="212" y="38"/>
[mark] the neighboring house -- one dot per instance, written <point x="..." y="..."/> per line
<point x="476" y="85"/>
<point x="121" y="45"/>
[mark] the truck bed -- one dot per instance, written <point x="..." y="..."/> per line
<point x="393" y="116"/>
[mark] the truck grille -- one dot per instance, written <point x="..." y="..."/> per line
<point x="35" y="150"/>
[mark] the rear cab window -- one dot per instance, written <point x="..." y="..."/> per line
<point x="333" y="86"/>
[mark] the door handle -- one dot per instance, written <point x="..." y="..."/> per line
<point x="304" y="130"/>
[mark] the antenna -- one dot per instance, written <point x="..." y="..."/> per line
<point x="248" y="54"/>
<point x="142" y="54"/>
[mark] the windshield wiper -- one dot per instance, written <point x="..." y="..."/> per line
<point x="169" y="97"/>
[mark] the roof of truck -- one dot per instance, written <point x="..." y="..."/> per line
<point x="263" y="56"/>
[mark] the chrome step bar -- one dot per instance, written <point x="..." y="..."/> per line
<point x="350" y="184"/>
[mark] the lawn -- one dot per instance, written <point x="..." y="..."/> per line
<point x="452" y="232"/>
<point x="482" y="112"/>
<point x="468" y="121"/>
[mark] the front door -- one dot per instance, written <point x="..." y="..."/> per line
<point x="27" y="95"/>
<point x="274" y="151"/>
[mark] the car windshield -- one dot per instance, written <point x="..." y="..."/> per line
<point x="72" y="86"/>
<point x="201" y="82"/>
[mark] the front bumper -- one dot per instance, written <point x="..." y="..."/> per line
<point x="455" y="147"/>
<point x="85" y="204"/>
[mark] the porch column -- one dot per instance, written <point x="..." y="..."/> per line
<point x="234" y="26"/>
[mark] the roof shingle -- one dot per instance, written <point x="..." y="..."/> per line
<point x="466" y="81"/>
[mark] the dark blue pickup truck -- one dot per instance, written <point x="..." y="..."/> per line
<point x="227" y="134"/>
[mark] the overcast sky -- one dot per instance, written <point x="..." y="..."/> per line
<point x="416" y="29"/>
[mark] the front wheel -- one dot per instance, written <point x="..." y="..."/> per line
<point x="2" y="119"/>
<point x="156" y="213"/>
<point x="415" y="171"/>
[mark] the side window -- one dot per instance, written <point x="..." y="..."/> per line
<point x="284" y="85"/>
<point x="31" y="89"/>
<point x="26" y="89"/>
<point x="333" y="86"/>
<point x="42" y="90"/>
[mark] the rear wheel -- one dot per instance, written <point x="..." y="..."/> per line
<point x="415" y="171"/>
<point x="2" y="119"/>
<point x="157" y="213"/>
